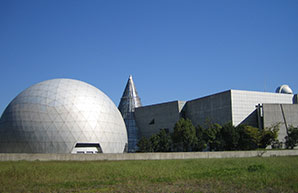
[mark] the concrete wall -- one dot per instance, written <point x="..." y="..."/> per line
<point x="236" y="106"/>
<point x="244" y="104"/>
<point x="145" y="156"/>
<point x="150" y="119"/>
<point x="284" y="114"/>
<point x="215" y="108"/>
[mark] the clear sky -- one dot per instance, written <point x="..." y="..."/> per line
<point x="175" y="50"/>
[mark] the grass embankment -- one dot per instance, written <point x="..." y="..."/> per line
<point x="275" y="174"/>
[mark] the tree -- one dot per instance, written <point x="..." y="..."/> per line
<point x="211" y="136"/>
<point x="268" y="136"/>
<point x="161" y="142"/>
<point x="248" y="137"/>
<point x="292" y="138"/>
<point x="229" y="137"/>
<point x="154" y="140"/>
<point x="165" y="141"/>
<point x="184" y="135"/>
<point x="217" y="137"/>
<point x="201" y="143"/>
<point x="144" y="145"/>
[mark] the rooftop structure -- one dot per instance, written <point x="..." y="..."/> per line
<point x="284" y="89"/>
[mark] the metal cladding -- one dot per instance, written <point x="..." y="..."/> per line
<point x="129" y="101"/>
<point x="62" y="116"/>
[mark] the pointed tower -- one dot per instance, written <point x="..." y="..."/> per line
<point x="129" y="101"/>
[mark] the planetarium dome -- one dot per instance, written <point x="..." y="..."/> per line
<point x="62" y="116"/>
<point x="284" y="89"/>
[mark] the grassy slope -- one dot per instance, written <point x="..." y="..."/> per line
<point x="276" y="174"/>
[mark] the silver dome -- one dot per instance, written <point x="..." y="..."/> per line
<point x="62" y="116"/>
<point x="284" y="89"/>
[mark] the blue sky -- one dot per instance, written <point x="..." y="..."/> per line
<point x="175" y="50"/>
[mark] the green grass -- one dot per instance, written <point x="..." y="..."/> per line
<point x="275" y="174"/>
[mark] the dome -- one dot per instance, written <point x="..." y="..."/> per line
<point x="284" y="89"/>
<point x="62" y="116"/>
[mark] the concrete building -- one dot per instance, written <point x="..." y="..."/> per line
<point x="236" y="106"/>
<point x="150" y="119"/>
<point x="258" y="109"/>
<point x="286" y="115"/>
<point x="215" y="108"/>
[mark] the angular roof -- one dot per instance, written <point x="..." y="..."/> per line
<point x="130" y="98"/>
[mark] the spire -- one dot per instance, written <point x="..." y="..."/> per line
<point x="130" y="98"/>
<point x="129" y="101"/>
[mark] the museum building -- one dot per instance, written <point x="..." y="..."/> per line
<point x="71" y="116"/>
<point x="258" y="109"/>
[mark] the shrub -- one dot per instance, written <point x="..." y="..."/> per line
<point x="144" y="145"/>
<point x="292" y="138"/>
<point x="268" y="136"/>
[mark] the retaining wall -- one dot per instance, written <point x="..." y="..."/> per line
<point x="145" y="156"/>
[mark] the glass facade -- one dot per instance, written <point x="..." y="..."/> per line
<point x="129" y="101"/>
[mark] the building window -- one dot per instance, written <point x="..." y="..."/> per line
<point x="152" y="122"/>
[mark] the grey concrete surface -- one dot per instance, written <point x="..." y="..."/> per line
<point x="145" y="156"/>
<point x="151" y="119"/>
<point x="214" y="108"/>
<point x="244" y="104"/>
<point x="286" y="115"/>
<point x="235" y="106"/>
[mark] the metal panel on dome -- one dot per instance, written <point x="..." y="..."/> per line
<point x="54" y="115"/>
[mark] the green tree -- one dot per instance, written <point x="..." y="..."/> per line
<point x="229" y="137"/>
<point x="161" y="142"/>
<point x="292" y="138"/>
<point x="184" y="135"/>
<point x="201" y="143"/>
<point x="154" y="140"/>
<point x="211" y="136"/>
<point x="248" y="137"/>
<point x="165" y="141"/>
<point x="268" y="136"/>
<point x="144" y="145"/>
